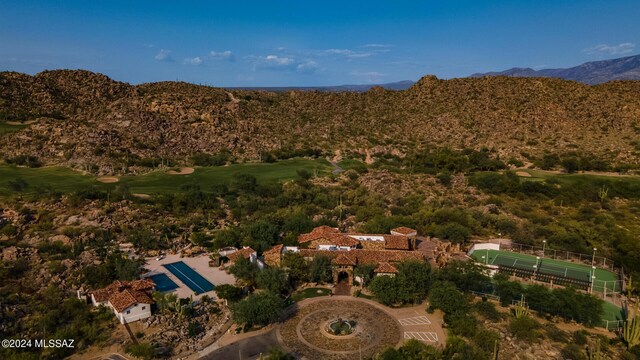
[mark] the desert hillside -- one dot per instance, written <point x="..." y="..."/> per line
<point x="83" y="118"/>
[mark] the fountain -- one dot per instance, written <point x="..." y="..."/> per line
<point x="341" y="327"/>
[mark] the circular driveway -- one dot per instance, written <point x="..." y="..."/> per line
<point x="303" y="333"/>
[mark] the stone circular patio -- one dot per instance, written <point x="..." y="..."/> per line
<point x="304" y="332"/>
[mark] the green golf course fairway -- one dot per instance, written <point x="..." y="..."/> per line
<point x="67" y="180"/>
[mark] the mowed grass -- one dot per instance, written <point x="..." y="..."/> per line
<point x="66" y="180"/>
<point x="310" y="293"/>
<point x="6" y="128"/>
<point x="577" y="178"/>
<point x="602" y="275"/>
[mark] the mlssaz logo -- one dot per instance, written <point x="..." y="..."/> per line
<point x="54" y="343"/>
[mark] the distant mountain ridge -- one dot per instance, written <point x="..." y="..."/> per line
<point x="398" y="85"/>
<point x="594" y="72"/>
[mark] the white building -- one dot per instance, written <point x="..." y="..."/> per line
<point x="129" y="300"/>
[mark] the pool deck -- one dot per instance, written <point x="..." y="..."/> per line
<point x="198" y="263"/>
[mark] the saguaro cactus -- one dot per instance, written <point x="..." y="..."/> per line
<point x="496" y="350"/>
<point x="593" y="350"/>
<point x="631" y="328"/>
<point x="521" y="309"/>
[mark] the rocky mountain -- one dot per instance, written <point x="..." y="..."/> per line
<point x="399" y="85"/>
<point x="86" y="120"/>
<point x="595" y="72"/>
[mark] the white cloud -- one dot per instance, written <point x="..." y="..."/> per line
<point x="192" y="61"/>
<point x="604" y="49"/>
<point x="307" y="67"/>
<point x="274" y="62"/>
<point x="163" y="55"/>
<point x="283" y="63"/>
<point x="222" y="55"/>
<point x="368" y="76"/>
<point x="350" y="54"/>
<point x="377" y="46"/>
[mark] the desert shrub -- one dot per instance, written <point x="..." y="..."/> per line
<point x="525" y="328"/>
<point x="24" y="160"/>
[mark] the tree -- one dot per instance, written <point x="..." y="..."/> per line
<point x="385" y="289"/>
<point x="570" y="164"/>
<point x="413" y="281"/>
<point x="144" y="350"/>
<point x="257" y="309"/>
<point x="296" y="267"/>
<point x="416" y="350"/>
<point x="445" y="296"/>
<point x="245" y="270"/>
<point x="229" y="292"/>
<point x="276" y="353"/>
<point x="465" y="274"/>
<point x="199" y="238"/>
<point x="365" y="272"/>
<point x="507" y="290"/>
<point x="164" y="301"/>
<point x="320" y="269"/>
<point x="273" y="279"/>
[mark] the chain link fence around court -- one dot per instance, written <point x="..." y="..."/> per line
<point x="609" y="287"/>
<point x="585" y="259"/>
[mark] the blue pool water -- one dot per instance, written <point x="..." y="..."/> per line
<point x="189" y="277"/>
<point x="163" y="283"/>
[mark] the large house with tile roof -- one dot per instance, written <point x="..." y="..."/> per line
<point x="348" y="250"/>
<point x="129" y="300"/>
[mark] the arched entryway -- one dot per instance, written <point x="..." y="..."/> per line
<point x="343" y="286"/>
<point x="343" y="277"/>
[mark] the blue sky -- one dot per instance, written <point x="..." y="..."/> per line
<point x="302" y="43"/>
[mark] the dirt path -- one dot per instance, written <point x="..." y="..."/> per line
<point x="336" y="168"/>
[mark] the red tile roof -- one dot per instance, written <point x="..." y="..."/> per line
<point x="317" y="233"/>
<point x="343" y="259"/>
<point x="127" y="298"/>
<point x="274" y="250"/>
<point x="404" y="230"/>
<point x="341" y="240"/>
<point x="385" y="268"/>
<point x="396" y="242"/>
<point x="244" y="252"/>
<point x="361" y="256"/>
<point x="124" y="294"/>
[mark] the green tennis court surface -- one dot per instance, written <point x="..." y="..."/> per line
<point x="579" y="273"/>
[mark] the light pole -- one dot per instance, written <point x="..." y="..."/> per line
<point x="544" y="245"/>
<point x="593" y="278"/>
<point x="484" y="260"/>
<point x="593" y="258"/>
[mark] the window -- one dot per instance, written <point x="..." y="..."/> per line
<point x="128" y="312"/>
<point x="144" y="307"/>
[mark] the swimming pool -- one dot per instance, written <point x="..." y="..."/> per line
<point x="189" y="277"/>
<point x="163" y="283"/>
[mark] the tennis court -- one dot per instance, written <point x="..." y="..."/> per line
<point x="189" y="277"/>
<point x="547" y="269"/>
